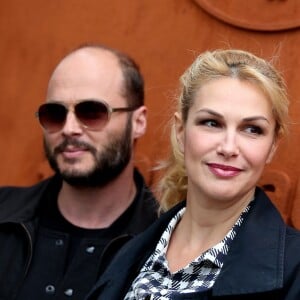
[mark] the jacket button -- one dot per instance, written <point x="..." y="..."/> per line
<point x="90" y="250"/>
<point x="50" y="289"/>
<point x="59" y="242"/>
<point x="68" y="292"/>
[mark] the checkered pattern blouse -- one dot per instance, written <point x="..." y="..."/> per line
<point x="156" y="282"/>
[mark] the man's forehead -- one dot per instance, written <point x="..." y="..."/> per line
<point x="90" y="59"/>
<point x="87" y="73"/>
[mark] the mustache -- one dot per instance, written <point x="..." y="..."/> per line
<point x="75" y="143"/>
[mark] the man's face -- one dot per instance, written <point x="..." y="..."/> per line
<point x="87" y="157"/>
<point x="108" y="163"/>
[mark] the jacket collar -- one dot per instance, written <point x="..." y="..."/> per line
<point x="19" y="204"/>
<point x="144" y="207"/>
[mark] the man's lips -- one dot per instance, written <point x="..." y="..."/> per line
<point x="73" y="152"/>
<point x="223" y="170"/>
<point x="73" y="149"/>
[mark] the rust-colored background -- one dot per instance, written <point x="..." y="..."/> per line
<point x="164" y="36"/>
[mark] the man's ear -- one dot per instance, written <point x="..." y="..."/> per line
<point x="139" y="122"/>
<point x="272" y="151"/>
<point x="179" y="131"/>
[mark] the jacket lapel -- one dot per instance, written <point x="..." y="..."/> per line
<point x="255" y="259"/>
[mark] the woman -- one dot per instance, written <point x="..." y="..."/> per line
<point x="226" y="240"/>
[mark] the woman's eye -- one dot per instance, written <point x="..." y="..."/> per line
<point x="252" y="129"/>
<point x="210" y="123"/>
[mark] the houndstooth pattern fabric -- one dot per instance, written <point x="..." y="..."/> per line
<point x="156" y="282"/>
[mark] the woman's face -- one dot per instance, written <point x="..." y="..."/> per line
<point x="228" y="138"/>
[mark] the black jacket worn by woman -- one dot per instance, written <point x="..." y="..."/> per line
<point x="263" y="261"/>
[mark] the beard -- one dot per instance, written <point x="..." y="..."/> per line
<point x="109" y="163"/>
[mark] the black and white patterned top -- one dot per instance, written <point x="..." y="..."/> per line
<point x="155" y="281"/>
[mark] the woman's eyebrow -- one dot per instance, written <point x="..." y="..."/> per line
<point x="256" y="118"/>
<point x="210" y="111"/>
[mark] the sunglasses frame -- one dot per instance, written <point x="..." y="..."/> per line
<point x="71" y="108"/>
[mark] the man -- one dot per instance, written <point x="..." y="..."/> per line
<point x="58" y="236"/>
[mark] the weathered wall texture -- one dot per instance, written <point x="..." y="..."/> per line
<point x="163" y="36"/>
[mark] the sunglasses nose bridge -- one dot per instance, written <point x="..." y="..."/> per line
<point x="72" y="123"/>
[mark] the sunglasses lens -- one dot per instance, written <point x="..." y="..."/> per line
<point x="93" y="114"/>
<point x="52" y="116"/>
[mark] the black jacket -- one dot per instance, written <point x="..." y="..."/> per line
<point x="263" y="261"/>
<point x="19" y="222"/>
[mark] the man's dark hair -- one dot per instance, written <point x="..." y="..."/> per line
<point x="133" y="79"/>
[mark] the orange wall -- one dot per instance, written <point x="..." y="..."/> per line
<point x="163" y="36"/>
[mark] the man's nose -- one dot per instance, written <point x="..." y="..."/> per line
<point x="72" y="125"/>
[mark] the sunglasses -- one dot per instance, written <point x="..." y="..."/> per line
<point x="92" y="114"/>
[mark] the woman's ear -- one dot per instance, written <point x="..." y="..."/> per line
<point x="139" y="122"/>
<point x="272" y="151"/>
<point x="179" y="131"/>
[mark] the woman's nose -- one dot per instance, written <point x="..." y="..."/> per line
<point x="228" y="145"/>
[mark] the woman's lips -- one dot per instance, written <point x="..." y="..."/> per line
<point x="224" y="170"/>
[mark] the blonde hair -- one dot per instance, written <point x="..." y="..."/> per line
<point x="212" y="65"/>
